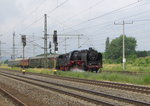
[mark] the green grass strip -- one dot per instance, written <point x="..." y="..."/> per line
<point x="117" y="77"/>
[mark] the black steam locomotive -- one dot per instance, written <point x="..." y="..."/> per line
<point x="88" y="60"/>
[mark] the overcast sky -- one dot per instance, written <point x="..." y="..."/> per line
<point x="94" y="19"/>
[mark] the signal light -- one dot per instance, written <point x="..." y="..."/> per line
<point x="24" y="40"/>
<point x="55" y="36"/>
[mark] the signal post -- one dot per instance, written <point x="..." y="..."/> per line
<point x="55" y="49"/>
<point x="23" y="37"/>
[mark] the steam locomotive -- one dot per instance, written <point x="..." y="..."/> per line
<point x="88" y="60"/>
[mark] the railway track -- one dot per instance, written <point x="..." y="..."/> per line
<point x="95" y="101"/>
<point x="127" y="87"/>
<point x="12" y="98"/>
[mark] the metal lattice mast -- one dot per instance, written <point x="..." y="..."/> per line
<point x="13" y="54"/>
<point x="45" y="40"/>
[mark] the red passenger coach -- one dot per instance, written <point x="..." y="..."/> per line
<point x="25" y="63"/>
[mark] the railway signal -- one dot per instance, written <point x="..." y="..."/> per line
<point x="55" y="41"/>
<point x="50" y="47"/>
<point x="55" y="49"/>
<point x="55" y="37"/>
<point x="23" y="38"/>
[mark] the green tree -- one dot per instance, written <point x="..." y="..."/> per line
<point x="148" y="53"/>
<point x="115" y="48"/>
<point x="6" y="62"/>
<point x="142" y="53"/>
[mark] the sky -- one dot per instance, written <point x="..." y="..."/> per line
<point x="92" y="19"/>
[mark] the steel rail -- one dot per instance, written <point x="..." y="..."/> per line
<point x="13" y="98"/>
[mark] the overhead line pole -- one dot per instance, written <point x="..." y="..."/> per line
<point x="33" y="46"/>
<point x="45" y="40"/>
<point x="65" y="44"/>
<point x="13" y="56"/>
<point x="23" y="38"/>
<point x="123" y="42"/>
<point x="79" y="40"/>
<point x="1" y="50"/>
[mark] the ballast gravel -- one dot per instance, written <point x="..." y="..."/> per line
<point x="111" y="91"/>
<point x="4" y="101"/>
<point x="47" y="97"/>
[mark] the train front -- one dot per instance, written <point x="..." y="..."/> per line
<point x="94" y="60"/>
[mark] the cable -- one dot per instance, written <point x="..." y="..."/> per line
<point x="58" y="6"/>
<point x="114" y="11"/>
<point x="141" y="20"/>
<point x="102" y="15"/>
<point x="126" y="9"/>
<point x="43" y="16"/>
<point x="33" y="23"/>
<point x="97" y="3"/>
<point x="117" y="19"/>
<point x="36" y="8"/>
<point x="77" y="13"/>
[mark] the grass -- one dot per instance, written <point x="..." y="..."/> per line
<point x="34" y="70"/>
<point x="40" y="70"/>
<point x="129" y="67"/>
<point x="117" y="77"/>
<point x="140" y="80"/>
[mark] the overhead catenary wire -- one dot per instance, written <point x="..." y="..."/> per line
<point x="114" y="10"/>
<point x="137" y="20"/>
<point x="111" y="21"/>
<point x="121" y="18"/>
<point x="66" y="1"/>
<point x="30" y="13"/>
<point x="43" y="16"/>
<point x="82" y="11"/>
<point x="108" y="13"/>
